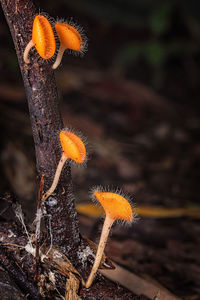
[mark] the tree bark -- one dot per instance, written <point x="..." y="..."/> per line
<point x="42" y="96"/>
<point x="41" y="92"/>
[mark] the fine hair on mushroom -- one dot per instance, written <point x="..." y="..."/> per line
<point x="116" y="207"/>
<point x="73" y="149"/>
<point x="71" y="37"/>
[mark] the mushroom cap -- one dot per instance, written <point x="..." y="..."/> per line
<point x="73" y="146"/>
<point x="43" y="37"/>
<point x="69" y="37"/>
<point x="115" y="205"/>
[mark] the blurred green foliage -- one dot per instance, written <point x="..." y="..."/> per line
<point x="170" y="30"/>
<point x="133" y="12"/>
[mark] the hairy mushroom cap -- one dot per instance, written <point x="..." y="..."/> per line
<point x="115" y="205"/>
<point x="73" y="147"/>
<point x="43" y="37"/>
<point x="69" y="37"/>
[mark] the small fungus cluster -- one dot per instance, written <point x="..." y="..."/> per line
<point x="115" y="204"/>
<point x="44" y="36"/>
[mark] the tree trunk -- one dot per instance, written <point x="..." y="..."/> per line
<point x="41" y="92"/>
<point x="42" y="96"/>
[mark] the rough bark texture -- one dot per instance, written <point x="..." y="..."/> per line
<point x="24" y="278"/>
<point x="19" y="276"/>
<point x="41" y="91"/>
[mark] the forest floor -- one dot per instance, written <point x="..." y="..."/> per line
<point x="138" y="141"/>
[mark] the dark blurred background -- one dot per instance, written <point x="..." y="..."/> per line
<point x="135" y="95"/>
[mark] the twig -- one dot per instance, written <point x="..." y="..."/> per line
<point x="137" y="284"/>
<point x="38" y="224"/>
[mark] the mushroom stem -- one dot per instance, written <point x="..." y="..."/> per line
<point x="102" y="243"/>
<point x="56" y="177"/>
<point x="59" y="57"/>
<point x="26" y="51"/>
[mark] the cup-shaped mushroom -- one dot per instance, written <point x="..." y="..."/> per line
<point x="116" y="207"/>
<point x="73" y="148"/>
<point x="70" y="38"/>
<point x="43" y="39"/>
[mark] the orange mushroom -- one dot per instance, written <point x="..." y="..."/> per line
<point x="116" y="207"/>
<point x="73" y="148"/>
<point x="42" y="39"/>
<point x="70" y="38"/>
